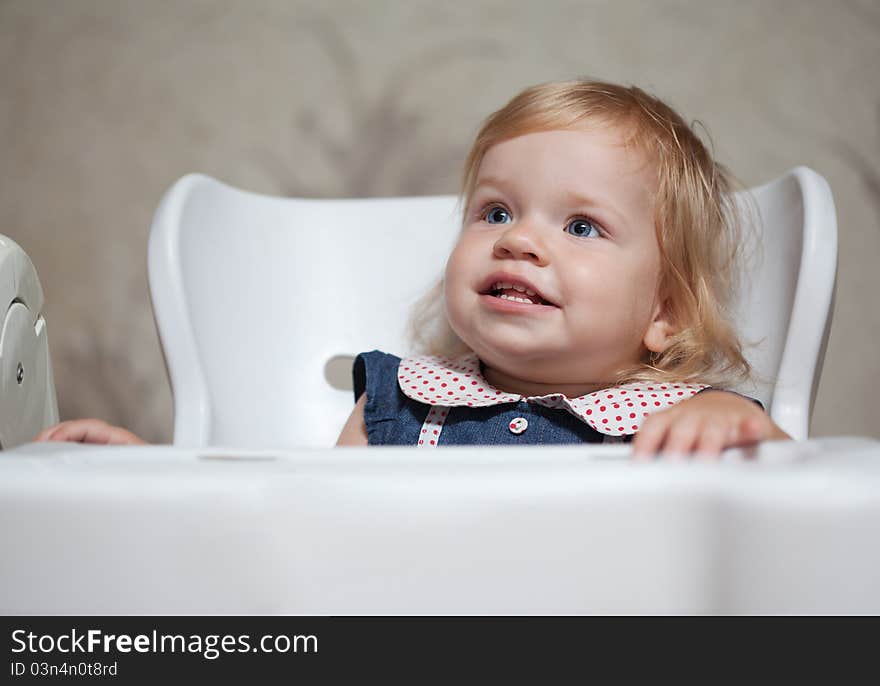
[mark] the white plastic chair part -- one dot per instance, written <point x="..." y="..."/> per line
<point x="785" y="304"/>
<point x="104" y="530"/>
<point x="253" y="295"/>
<point x="27" y="390"/>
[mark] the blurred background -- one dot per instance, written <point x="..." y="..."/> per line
<point x="105" y="103"/>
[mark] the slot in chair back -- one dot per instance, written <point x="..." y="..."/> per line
<point x="254" y="295"/>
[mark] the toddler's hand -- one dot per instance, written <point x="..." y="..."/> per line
<point x="89" y="431"/>
<point x="707" y="424"/>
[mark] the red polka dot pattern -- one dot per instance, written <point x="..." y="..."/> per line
<point x="429" y="436"/>
<point x="428" y="379"/>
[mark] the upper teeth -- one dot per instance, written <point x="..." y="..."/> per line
<point x="515" y="286"/>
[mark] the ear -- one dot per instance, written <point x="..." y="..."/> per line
<point x="661" y="329"/>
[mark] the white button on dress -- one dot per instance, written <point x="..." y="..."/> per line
<point x="518" y="425"/>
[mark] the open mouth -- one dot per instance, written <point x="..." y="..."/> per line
<point x="516" y="292"/>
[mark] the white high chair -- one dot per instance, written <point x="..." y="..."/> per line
<point x="27" y="390"/>
<point x="254" y="296"/>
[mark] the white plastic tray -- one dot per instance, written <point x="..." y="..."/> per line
<point x="792" y="529"/>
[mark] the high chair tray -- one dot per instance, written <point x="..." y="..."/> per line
<point x="792" y="528"/>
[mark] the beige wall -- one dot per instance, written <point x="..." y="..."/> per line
<point x="103" y="103"/>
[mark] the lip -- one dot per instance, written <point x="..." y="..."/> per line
<point x="507" y="277"/>
<point x="513" y="307"/>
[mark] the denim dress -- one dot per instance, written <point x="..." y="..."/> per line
<point x="392" y="418"/>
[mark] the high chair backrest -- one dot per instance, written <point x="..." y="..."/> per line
<point x="787" y="296"/>
<point x="256" y="297"/>
<point x="27" y="390"/>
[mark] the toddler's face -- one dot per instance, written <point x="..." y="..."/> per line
<point x="554" y="277"/>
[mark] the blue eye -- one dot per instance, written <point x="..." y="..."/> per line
<point x="497" y="215"/>
<point x="583" y="228"/>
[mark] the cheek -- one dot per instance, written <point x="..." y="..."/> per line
<point x="455" y="270"/>
<point x="591" y="281"/>
<point x="455" y="282"/>
<point x="608" y="288"/>
<point x="462" y="263"/>
<point x="644" y="294"/>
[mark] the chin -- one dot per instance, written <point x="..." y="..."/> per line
<point x="507" y="353"/>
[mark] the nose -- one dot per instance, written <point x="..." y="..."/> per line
<point x="520" y="242"/>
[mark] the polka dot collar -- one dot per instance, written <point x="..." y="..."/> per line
<point x="615" y="411"/>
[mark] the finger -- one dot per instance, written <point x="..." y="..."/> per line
<point x="43" y="436"/>
<point x="88" y="431"/>
<point x="99" y="433"/>
<point x="106" y="434"/>
<point x="650" y="437"/>
<point x="749" y="431"/>
<point x="79" y="431"/>
<point x="682" y="438"/>
<point x="711" y="440"/>
<point x="55" y="431"/>
<point x="124" y="437"/>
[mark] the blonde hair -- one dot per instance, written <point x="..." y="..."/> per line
<point x="699" y="229"/>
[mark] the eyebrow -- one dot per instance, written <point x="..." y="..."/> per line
<point x="491" y="181"/>
<point x="571" y="197"/>
<point x="584" y="200"/>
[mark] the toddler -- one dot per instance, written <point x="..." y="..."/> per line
<point x="585" y="299"/>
